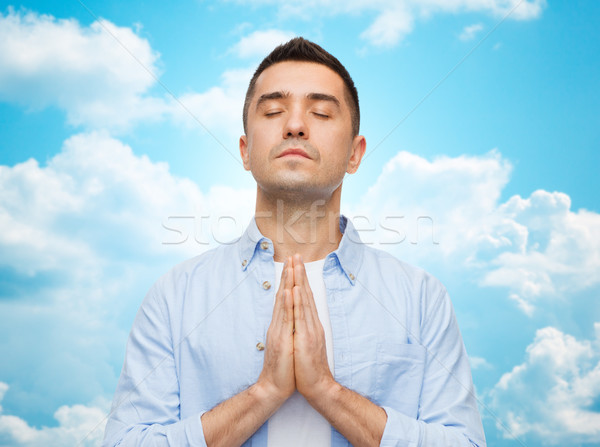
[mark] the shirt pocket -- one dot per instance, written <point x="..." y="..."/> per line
<point x="400" y="369"/>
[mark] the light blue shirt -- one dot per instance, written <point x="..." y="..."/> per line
<point x="197" y="338"/>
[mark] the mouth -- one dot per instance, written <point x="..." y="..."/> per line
<point x="294" y="152"/>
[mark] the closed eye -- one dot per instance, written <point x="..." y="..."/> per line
<point x="272" y="113"/>
<point x="321" y="115"/>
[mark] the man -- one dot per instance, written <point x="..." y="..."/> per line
<point x="297" y="334"/>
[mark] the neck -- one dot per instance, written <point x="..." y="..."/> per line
<point x="310" y="228"/>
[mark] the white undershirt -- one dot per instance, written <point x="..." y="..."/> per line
<point x="296" y="423"/>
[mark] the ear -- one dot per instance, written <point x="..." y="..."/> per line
<point x="359" y="146"/>
<point x="244" y="152"/>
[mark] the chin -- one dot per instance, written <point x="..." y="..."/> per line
<point x="298" y="191"/>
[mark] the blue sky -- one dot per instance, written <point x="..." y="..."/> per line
<point x="118" y="159"/>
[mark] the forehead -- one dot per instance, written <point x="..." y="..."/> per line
<point x="299" y="78"/>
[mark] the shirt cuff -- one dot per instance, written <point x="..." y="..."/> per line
<point x="187" y="432"/>
<point x="400" y="430"/>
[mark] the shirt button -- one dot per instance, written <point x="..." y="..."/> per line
<point x="244" y="263"/>
<point x="260" y="346"/>
<point x="264" y="245"/>
<point x="266" y="285"/>
<point x="351" y="276"/>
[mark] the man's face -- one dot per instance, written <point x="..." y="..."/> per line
<point x="299" y="138"/>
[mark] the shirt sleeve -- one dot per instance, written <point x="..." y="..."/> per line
<point x="448" y="414"/>
<point x="145" y="408"/>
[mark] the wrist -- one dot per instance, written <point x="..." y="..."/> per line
<point x="323" y="393"/>
<point x="268" y="394"/>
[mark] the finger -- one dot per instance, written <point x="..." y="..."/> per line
<point x="309" y="308"/>
<point x="284" y="275"/>
<point x="299" y="271"/>
<point x="301" y="280"/>
<point x="288" y="318"/>
<point x="277" y="310"/>
<point x="298" y="307"/>
<point x="307" y="295"/>
<point x="309" y="298"/>
<point x="289" y="278"/>
<point x="283" y="284"/>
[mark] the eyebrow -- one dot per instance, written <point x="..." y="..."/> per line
<point x="269" y="96"/>
<point x="324" y="97"/>
<point x="283" y="95"/>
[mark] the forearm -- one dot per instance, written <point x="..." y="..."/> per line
<point x="358" y="419"/>
<point x="233" y="421"/>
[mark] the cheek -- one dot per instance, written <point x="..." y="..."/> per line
<point x="342" y="146"/>
<point x="261" y="140"/>
<point x="258" y="155"/>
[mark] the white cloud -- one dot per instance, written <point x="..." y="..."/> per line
<point x="446" y="201"/>
<point x="98" y="74"/>
<point x="469" y="32"/>
<point x="395" y="19"/>
<point x="390" y="26"/>
<point x="521" y="9"/>
<point x="479" y="363"/>
<point x="97" y="198"/>
<point x="104" y="83"/>
<point x="260" y="43"/>
<point x="552" y="393"/>
<point x="92" y="196"/>
<point x="77" y="425"/>
<point x="542" y="248"/>
<point x="448" y="210"/>
<point x="101" y="75"/>
<point x="82" y="240"/>
<point x="217" y="109"/>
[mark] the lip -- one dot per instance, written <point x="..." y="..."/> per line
<point x="295" y="152"/>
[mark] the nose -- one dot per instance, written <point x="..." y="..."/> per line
<point x="295" y="126"/>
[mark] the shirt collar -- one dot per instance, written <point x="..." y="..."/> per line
<point x="349" y="253"/>
<point x="347" y="257"/>
<point x="251" y="242"/>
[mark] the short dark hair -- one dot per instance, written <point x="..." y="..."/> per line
<point x="303" y="50"/>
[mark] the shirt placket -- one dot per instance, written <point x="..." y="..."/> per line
<point x="339" y="327"/>
<point x="263" y="279"/>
